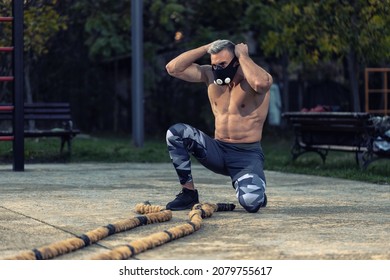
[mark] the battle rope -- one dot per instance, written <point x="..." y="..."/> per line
<point x="153" y="214"/>
<point x="196" y="215"/>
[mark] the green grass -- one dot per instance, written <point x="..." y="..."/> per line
<point x="121" y="149"/>
<point x="88" y="149"/>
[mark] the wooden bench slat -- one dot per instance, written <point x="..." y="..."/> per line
<point x="50" y="133"/>
<point x="46" y="116"/>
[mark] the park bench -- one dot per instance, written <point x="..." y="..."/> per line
<point x="321" y="132"/>
<point x="44" y="120"/>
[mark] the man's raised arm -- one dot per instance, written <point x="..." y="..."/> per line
<point x="259" y="79"/>
<point x="184" y="66"/>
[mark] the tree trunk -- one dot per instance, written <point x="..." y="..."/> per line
<point x="116" y="105"/>
<point x="285" y="89"/>
<point x="353" y="70"/>
<point x="29" y="98"/>
<point x="285" y="105"/>
<point x="353" y="80"/>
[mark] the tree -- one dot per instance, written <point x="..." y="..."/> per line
<point x="362" y="30"/>
<point x="41" y="23"/>
<point x="309" y="32"/>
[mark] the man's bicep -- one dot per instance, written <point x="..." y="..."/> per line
<point x="194" y="73"/>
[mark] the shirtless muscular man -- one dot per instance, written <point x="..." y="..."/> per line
<point x="238" y="90"/>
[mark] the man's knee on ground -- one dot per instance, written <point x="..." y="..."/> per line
<point x="250" y="191"/>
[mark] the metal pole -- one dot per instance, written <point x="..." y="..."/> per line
<point x="18" y="119"/>
<point x="137" y="72"/>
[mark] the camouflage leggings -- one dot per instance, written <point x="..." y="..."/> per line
<point x="242" y="162"/>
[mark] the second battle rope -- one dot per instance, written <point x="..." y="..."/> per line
<point x="196" y="216"/>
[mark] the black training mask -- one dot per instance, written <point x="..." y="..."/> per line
<point x="223" y="76"/>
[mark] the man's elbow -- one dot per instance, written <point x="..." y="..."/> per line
<point x="171" y="69"/>
<point x="263" y="86"/>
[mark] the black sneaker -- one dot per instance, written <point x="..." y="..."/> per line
<point x="184" y="200"/>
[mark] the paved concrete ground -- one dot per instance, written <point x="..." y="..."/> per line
<point x="307" y="217"/>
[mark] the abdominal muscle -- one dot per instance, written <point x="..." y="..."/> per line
<point x="233" y="128"/>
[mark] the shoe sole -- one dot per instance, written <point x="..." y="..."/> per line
<point x="189" y="206"/>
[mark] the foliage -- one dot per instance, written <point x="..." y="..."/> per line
<point x="314" y="31"/>
<point x="310" y="33"/>
<point x="41" y="23"/>
<point x="106" y="26"/>
<point x="5" y="28"/>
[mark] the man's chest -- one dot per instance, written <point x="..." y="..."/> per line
<point x="231" y="100"/>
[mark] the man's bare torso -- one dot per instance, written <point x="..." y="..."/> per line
<point x="239" y="112"/>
